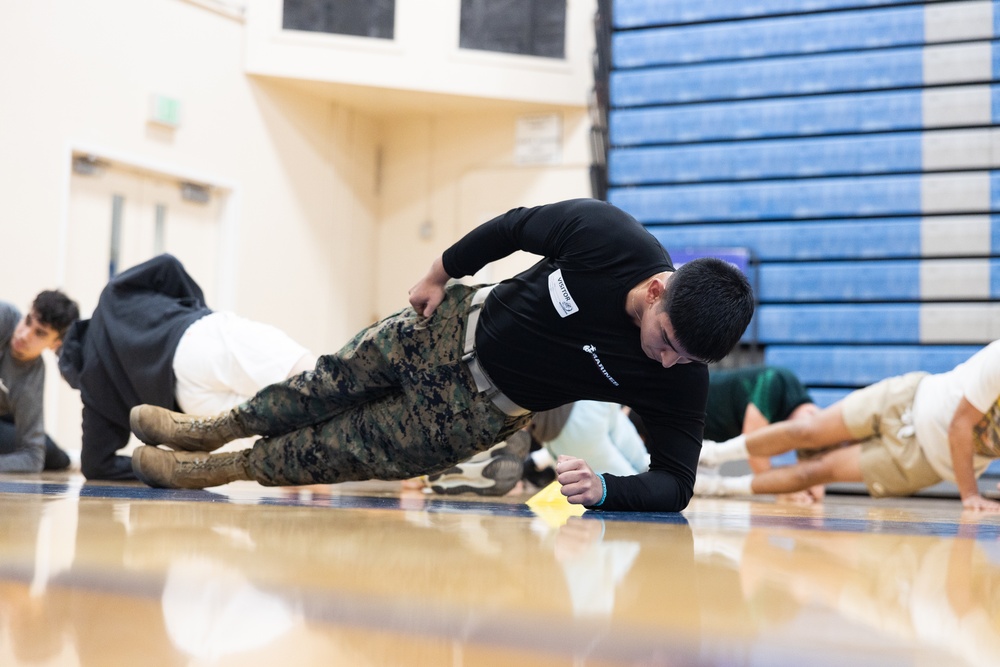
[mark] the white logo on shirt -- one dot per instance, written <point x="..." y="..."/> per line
<point x="590" y="349"/>
<point x="560" y="295"/>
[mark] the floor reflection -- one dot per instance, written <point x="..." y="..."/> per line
<point x="940" y="596"/>
<point x="105" y="575"/>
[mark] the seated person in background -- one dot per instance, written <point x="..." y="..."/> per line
<point x="55" y="458"/>
<point x="24" y="447"/>
<point x="599" y="433"/>
<point x="152" y="339"/>
<point x="905" y="433"/>
<point x="743" y="400"/>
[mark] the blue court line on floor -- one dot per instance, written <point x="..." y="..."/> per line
<point x="977" y="531"/>
<point x="987" y="529"/>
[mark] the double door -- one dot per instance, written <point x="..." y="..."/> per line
<point x="119" y="218"/>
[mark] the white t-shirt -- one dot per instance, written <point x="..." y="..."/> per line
<point x="223" y="359"/>
<point x="938" y="396"/>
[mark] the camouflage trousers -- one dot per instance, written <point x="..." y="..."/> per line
<point x="396" y="402"/>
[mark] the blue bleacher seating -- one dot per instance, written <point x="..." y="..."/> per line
<point x="639" y="13"/>
<point x="825" y="136"/>
<point x="861" y="365"/>
<point x="786" y="35"/>
<point x="801" y="75"/>
<point x="899" y="152"/>
<point x="757" y="119"/>
<point x="861" y="238"/>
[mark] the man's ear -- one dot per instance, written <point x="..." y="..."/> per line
<point x="56" y="345"/>
<point x="656" y="287"/>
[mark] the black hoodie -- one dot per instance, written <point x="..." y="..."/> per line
<point x="123" y="356"/>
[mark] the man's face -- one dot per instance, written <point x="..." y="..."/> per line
<point x="659" y="341"/>
<point x="31" y="337"/>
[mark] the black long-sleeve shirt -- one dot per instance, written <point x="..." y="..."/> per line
<point x="559" y="332"/>
<point x="123" y="356"/>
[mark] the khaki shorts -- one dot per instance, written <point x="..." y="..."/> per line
<point x="892" y="463"/>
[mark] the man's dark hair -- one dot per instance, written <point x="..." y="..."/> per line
<point x="709" y="302"/>
<point x="55" y="309"/>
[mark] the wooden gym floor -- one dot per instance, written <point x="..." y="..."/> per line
<point x="369" y="574"/>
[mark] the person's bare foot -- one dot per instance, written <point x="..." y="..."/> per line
<point x="797" y="498"/>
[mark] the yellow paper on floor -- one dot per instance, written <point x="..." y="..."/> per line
<point x="553" y="507"/>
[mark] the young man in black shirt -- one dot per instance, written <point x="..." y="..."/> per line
<point x="602" y="316"/>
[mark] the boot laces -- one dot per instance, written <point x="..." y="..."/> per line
<point x="200" y="425"/>
<point x="209" y="462"/>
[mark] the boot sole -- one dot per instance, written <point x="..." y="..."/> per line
<point x="496" y="477"/>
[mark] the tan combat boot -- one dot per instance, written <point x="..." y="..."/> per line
<point x="159" y="426"/>
<point x="165" y="469"/>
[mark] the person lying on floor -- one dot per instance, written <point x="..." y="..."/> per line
<point x="152" y="339"/>
<point x="902" y="434"/>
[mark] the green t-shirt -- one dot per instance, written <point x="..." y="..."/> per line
<point x="774" y="390"/>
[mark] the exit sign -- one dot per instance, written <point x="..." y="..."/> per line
<point x="165" y="110"/>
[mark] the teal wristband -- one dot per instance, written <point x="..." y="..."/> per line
<point x="604" y="495"/>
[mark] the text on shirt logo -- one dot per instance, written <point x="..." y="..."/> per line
<point x="592" y="351"/>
